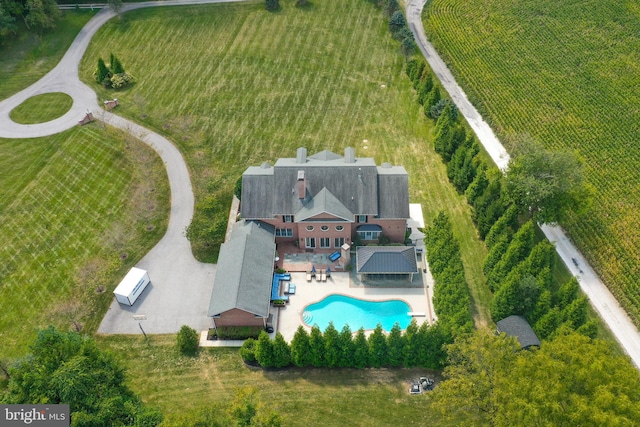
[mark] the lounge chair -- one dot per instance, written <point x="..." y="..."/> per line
<point x="309" y="275"/>
<point x="323" y="275"/>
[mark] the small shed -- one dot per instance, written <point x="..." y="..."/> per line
<point x="131" y="287"/>
<point x="517" y="326"/>
<point x="388" y="262"/>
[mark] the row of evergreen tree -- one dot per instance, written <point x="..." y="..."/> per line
<point x="397" y="25"/>
<point x="518" y="266"/>
<point x="415" y="347"/>
<point x="451" y="299"/>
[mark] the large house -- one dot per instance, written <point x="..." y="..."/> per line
<point x="322" y="201"/>
<point x="317" y="204"/>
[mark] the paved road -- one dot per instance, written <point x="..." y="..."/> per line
<point x="601" y="299"/>
<point x="180" y="286"/>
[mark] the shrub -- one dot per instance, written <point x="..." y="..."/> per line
<point x="248" y="351"/>
<point x="397" y="22"/>
<point x="121" y="80"/>
<point x="272" y="5"/>
<point x="187" y="340"/>
<point x="238" y="332"/>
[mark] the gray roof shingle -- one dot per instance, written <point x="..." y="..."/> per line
<point x="517" y="326"/>
<point x="245" y="271"/>
<point x="361" y="187"/>
<point x="386" y="259"/>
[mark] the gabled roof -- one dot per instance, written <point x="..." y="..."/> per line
<point x="325" y="155"/>
<point x="517" y="326"/>
<point x="324" y="202"/>
<point x="356" y="182"/>
<point x="386" y="259"/>
<point x="245" y="271"/>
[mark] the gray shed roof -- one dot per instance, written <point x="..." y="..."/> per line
<point x="386" y="259"/>
<point x="517" y="326"/>
<point x="356" y="182"/>
<point x="245" y="271"/>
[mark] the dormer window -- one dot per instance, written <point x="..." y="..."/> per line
<point x="361" y="218"/>
<point x="287" y="218"/>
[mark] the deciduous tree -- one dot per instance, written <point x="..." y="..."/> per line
<point x="42" y="15"/>
<point x="547" y="185"/>
<point x="64" y="367"/>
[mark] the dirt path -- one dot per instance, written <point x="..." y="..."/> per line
<point x="601" y="299"/>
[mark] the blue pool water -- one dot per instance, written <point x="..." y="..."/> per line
<point x="356" y="313"/>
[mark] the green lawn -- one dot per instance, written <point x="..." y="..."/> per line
<point x="568" y="74"/>
<point x="77" y="209"/>
<point x="28" y="57"/>
<point x="42" y="108"/>
<point x="180" y="386"/>
<point x="258" y="85"/>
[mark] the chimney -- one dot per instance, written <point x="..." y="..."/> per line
<point x="301" y="155"/>
<point x="302" y="185"/>
<point x="349" y="155"/>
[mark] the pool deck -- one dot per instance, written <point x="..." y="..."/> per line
<point x="290" y="316"/>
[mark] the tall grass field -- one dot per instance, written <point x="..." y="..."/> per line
<point x="234" y="85"/>
<point x="568" y="74"/>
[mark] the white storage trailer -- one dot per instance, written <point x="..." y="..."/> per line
<point x="131" y="286"/>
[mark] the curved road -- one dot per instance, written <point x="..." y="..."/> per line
<point x="180" y="285"/>
<point x="601" y="298"/>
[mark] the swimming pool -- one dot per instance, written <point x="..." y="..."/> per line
<point x="356" y="313"/>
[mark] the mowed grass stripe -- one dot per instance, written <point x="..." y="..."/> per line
<point x="63" y="232"/>
<point x="565" y="73"/>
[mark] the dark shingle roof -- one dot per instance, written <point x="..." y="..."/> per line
<point x="360" y="186"/>
<point x="517" y="326"/>
<point x="245" y="271"/>
<point x="386" y="259"/>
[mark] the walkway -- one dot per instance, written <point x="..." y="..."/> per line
<point x="601" y="298"/>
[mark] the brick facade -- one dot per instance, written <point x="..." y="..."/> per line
<point x="237" y="317"/>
